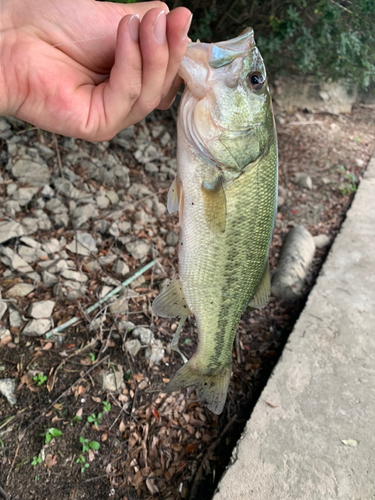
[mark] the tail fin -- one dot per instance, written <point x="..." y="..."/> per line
<point x="211" y="388"/>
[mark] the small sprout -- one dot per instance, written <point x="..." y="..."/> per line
<point x="36" y="478"/>
<point x="92" y="356"/>
<point x="50" y="434"/>
<point x="95" y="419"/>
<point x="40" y="379"/>
<point x="128" y="375"/>
<point x="81" y="460"/>
<point x="106" y="406"/>
<point x="36" y="460"/>
<point x="86" y="444"/>
<point x="75" y="419"/>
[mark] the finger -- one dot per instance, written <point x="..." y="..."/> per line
<point x="178" y="24"/>
<point x="112" y="101"/>
<point x="168" y="100"/>
<point x="136" y="8"/>
<point x="154" y="49"/>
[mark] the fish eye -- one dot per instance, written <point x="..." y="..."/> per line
<point x="256" y="80"/>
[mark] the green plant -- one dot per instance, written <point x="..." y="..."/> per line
<point x="350" y="185"/>
<point x="86" y="444"/>
<point x="82" y="460"/>
<point x="95" y="419"/>
<point x="92" y="356"/>
<point x="36" y="460"/>
<point x="128" y="374"/>
<point x="50" y="434"/>
<point x="106" y="406"/>
<point x="75" y="419"/>
<point x="40" y="379"/>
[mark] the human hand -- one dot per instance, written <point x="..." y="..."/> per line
<point x="88" y="69"/>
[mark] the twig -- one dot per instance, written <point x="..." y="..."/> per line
<point x="3" y="494"/>
<point x="58" y="154"/>
<point x="66" y="392"/>
<point x="14" y="459"/>
<point x="74" y="320"/>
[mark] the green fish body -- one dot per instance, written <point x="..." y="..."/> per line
<point x="226" y="194"/>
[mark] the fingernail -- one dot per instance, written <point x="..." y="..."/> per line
<point x="185" y="31"/>
<point x="159" y="27"/>
<point x="133" y="27"/>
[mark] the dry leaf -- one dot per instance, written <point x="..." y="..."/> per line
<point x="138" y="377"/>
<point x="150" y="483"/>
<point x="104" y="437"/>
<point x="47" y="346"/>
<point x="122" y="426"/>
<point x="97" y="400"/>
<point x="156" y="413"/>
<point x="137" y="480"/>
<point x="50" y="460"/>
<point x="79" y="412"/>
<point x="91" y="455"/>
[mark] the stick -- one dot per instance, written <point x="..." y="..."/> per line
<point x="74" y="320"/>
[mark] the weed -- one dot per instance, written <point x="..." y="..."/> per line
<point x="40" y="379"/>
<point x="106" y="406"/>
<point x="50" y="434"/>
<point x="95" y="419"/>
<point x="36" y="460"/>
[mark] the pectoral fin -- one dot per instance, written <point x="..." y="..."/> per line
<point x="215" y="204"/>
<point x="173" y="197"/>
<point x="171" y="302"/>
<point x="262" y="295"/>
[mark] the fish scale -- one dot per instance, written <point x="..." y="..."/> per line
<point x="226" y="194"/>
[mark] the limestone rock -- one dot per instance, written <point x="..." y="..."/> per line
<point x="37" y="327"/>
<point x="42" y="309"/>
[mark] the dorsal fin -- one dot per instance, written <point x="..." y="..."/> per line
<point x="171" y="302"/>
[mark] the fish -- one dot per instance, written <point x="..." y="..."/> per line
<point x="225" y="192"/>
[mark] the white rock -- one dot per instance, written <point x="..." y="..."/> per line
<point x="138" y="190"/>
<point x="74" y="275"/>
<point x="9" y="230"/>
<point x="112" y="380"/>
<point x="3" y="308"/>
<point x="102" y="200"/>
<point x="52" y="246"/>
<point x="11" y="188"/>
<point x="133" y="346"/>
<point x="48" y="278"/>
<point x="321" y="240"/>
<point x="145" y="335"/>
<point x="104" y="290"/>
<point x="124" y="226"/>
<point x="172" y="238"/>
<point x="5" y="336"/>
<point x="7" y="389"/>
<point x="66" y="188"/>
<point x="155" y="352"/>
<point x="113" y="197"/>
<point x="82" y="244"/>
<point x="24" y="195"/>
<point x="120" y="268"/>
<point x="120" y="306"/>
<point x="125" y="326"/>
<point x="69" y="290"/>
<point x="303" y="180"/>
<point x="31" y="173"/>
<point x="30" y="225"/>
<point x="30" y="242"/>
<point x="47" y="192"/>
<point x="104" y="260"/>
<point x="37" y="327"/>
<point x="138" y="249"/>
<point x="15" y="318"/>
<point x="114" y="230"/>
<point x="359" y="163"/>
<point x="20" y="290"/>
<point x="42" y="309"/>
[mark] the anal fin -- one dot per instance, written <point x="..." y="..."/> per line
<point x="215" y="204"/>
<point x="171" y="302"/>
<point x="262" y="295"/>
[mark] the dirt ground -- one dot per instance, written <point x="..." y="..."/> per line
<point x="155" y="445"/>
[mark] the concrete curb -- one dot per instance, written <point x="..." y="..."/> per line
<point x="323" y="386"/>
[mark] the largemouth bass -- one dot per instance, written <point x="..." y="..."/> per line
<point x="226" y="195"/>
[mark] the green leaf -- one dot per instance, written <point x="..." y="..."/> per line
<point x="94" y="445"/>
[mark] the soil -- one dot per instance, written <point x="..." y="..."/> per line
<point x="155" y="445"/>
